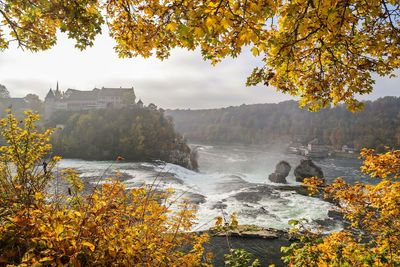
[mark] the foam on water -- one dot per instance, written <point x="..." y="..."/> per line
<point x="268" y="212"/>
<point x="230" y="180"/>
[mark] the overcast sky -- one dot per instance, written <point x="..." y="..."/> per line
<point x="182" y="81"/>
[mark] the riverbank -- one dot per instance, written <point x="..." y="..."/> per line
<point x="267" y="251"/>
<point x="339" y="154"/>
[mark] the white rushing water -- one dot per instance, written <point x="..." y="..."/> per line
<point x="231" y="179"/>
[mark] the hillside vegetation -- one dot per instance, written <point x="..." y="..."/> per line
<point x="134" y="134"/>
<point x="377" y="126"/>
<point x="112" y="226"/>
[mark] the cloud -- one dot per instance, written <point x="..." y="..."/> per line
<point x="184" y="80"/>
<point x="22" y="87"/>
<point x="198" y="92"/>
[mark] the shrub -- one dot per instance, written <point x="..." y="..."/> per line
<point x="373" y="239"/>
<point x="111" y="226"/>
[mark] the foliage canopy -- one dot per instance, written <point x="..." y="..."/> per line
<point x="43" y="225"/>
<point x="322" y="51"/>
<point x="373" y="238"/>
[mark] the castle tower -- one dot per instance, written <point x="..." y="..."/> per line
<point x="140" y="103"/>
<point x="49" y="104"/>
<point x="57" y="93"/>
<point x="50" y="96"/>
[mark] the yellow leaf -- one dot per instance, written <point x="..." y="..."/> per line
<point x="171" y="26"/>
<point x="59" y="229"/>
<point x="198" y="32"/>
<point x="38" y="195"/>
<point x="255" y="51"/>
<point x="218" y="221"/>
<point x="46" y="259"/>
<point x="88" y="245"/>
<point x="148" y="11"/>
<point x="225" y="23"/>
<point x="210" y="23"/>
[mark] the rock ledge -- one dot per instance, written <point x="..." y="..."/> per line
<point x="248" y="231"/>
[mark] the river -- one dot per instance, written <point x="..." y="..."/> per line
<point x="231" y="179"/>
<point x="234" y="179"/>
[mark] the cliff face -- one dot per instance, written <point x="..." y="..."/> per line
<point x="185" y="157"/>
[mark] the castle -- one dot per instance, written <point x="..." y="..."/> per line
<point x="76" y="100"/>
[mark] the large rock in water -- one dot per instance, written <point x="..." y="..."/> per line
<point x="282" y="170"/>
<point x="307" y="169"/>
<point x="277" y="178"/>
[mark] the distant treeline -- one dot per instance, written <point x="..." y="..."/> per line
<point x="134" y="134"/>
<point x="375" y="127"/>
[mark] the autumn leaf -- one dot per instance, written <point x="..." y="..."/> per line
<point x="88" y="245"/>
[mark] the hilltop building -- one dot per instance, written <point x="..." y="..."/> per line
<point x="76" y="100"/>
<point x="140" y="103"/>
<point x="316" y="150"/>
<point x="348" y="149"/>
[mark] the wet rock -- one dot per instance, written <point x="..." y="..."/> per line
<point x="250" y="197"/>
<point x="298" y="189"/>
<point x="254" y="213"/>
<point x="307" y="169"/>
<point x="230" y="183"/>
<point x="256" y="193"/>
<point x="219" y="205"/>
<point x="264" y="191"/>
<point x="184" y="157"/>
<point x="250" y="231"/>
<point x="277" y="178"/>
<point x="283" y="167"/>
<point x="168" y="177"/>
<point x="326" y="223"/>
<point x="334" y="214"/>
<point x="261" y="234"/>
<point x="282" y="170"/>
<point x="195" y="198"/>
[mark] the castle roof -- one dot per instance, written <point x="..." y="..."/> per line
<point x="81" y="95"/>
<point x="77" y="95"/>
<point x="50" y="95"/>
<point x="115" y="91"/>
<point x="70" y="91"/>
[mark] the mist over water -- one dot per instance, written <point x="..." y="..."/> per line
<point x="231" y="179"/>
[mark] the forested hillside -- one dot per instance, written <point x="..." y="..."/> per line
<point x="134" y="134"/>
<point x="378" y="125"/>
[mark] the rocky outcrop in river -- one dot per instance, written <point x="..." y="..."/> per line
<point x="282" y="170"/>
<point x="307" y="169"/>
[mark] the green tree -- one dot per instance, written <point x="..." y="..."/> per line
<point x="4" y="93"/>
<point x="376" y="126"/>
<point x="111" y="226"/>
<point x="34" y="102"/>
<point x="135" y="134"/>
